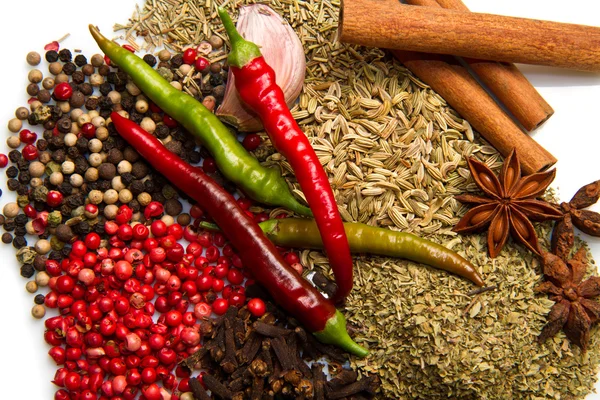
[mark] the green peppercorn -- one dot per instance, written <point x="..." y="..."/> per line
<point x="54" y="219"/>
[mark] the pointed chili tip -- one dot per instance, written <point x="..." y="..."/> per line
<point x="242" y="51"/>
<point x="96" y="33"/>
<point x="335" y="333"/>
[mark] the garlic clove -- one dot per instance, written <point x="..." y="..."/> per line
<point x="283" y="51"/>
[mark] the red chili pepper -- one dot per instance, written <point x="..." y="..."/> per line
<point x="290" y="290"/>
<point x="255" y="82"/>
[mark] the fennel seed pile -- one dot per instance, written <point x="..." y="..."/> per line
<point x="396" y="154"/>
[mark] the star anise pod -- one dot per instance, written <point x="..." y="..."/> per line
<point x="587" y="221"/>
<point x="509" y="204"/>
<point x="575" y="310"/>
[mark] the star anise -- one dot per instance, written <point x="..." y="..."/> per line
<point x="575" y="310"/>
<point x="509" y="205"/>
<point x="587" y="221"/>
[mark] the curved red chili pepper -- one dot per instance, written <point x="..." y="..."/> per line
<point x="255" y="82"/>
<point x="286" y="286"/>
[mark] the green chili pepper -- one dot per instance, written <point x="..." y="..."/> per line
<point x="265" y="185"/>
<point x="303" y="233"/>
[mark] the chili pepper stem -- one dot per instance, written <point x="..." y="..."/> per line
<point x="242" y="51"/>
<point x="335" y="333"/>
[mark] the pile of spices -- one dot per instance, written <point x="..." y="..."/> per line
<point x="247" y="358"/>
<point x="396" y="155"/>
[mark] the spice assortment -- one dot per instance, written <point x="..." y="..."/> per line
<point x="160" y="303"/>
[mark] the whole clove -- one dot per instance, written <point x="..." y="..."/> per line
<point x="198" y="390"/>
<point x="216" y="387"/>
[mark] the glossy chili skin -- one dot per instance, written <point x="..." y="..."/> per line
<point x="265" y="185"/>
<point x="303" y="233"/>
<point x="257" y="87"/>
<point x="286" y="286"/>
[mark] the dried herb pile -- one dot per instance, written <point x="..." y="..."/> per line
<point x="396" y="155"/>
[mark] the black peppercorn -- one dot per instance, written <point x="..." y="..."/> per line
<point x="73" y="152"/>
<point x="65" y="55"/>
<point x="139" y="169"/>
<point x="65" y="252"/>
<point x="51" y="56"/>
<point x="19" y="242"/>
<point x="9" y="225"/>
<point x="56" y="143"/>
<point x="82" y="144"/>
<point x="41" y="144"/>
<point x="99" y="229"/>
<point x="59" y="156"/>
<point x="173" y="207"/>
<point x="39" y="206"/>
<point x="21" y="220"/>
<point x="84" y="228"/>
<point x="44" y="96"/>
<point x="24" y="177"/>
<point x="177" y="61"/>
<point x="175" y="147"/>
<point x="81" y="165"/>
<point x="158" y="196"/>
<point x="27" y="270"/>
<point x="105" y="113"/>
<point x="78" y="77"/>
<point x="22" y="190"/>
<point x="14" y="156"/>
<point x="39" y="262"/>
<point x="23" y="165"/>
<point x="86" y="88"/>
<point x="150" y="60"/>
<point x="65" y="188"/>
<point x="2" y="219"/>
<point x="64" y="124"/>
<point x="50" y="124"/>
<point x="69" y="68"/>
<point x="65" y="211"/>
<point x="150" y="186"/>
<point x="130" y="154"/>
<point x="104" y="70"/>
<point x="162" y="131"/>
<point x="7" y="238"/>
<point x="12" y="172"/>
<point x="39" y="299"/>
<point x="105" y="88"/>
<point x="104" y="185"/>
<point x="20" y="231"/>
<point x="136" y="187"/>
<point x="135" y="205"/>
<point x="80" y="60"/>
<point x="54" y="255"/>
<point x="77" y="99"/>
<point x="48" y="134"/>
<point x="88" y="69"/>
<point x="127" y="178"/>
<point x="13" y="184"/>
<point x="114" y="156"/>
<point x="178" y="134"/>
<point x="194" y="157"/>
<point x="32" y="89"/>
<point x="91" y="103"/>
<point x="107" y="171"/>
<point x="127" y="103"/>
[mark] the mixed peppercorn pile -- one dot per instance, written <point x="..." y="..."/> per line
<point x="130" y="278"/>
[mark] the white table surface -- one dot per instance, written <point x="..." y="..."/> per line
<point x="572" y="135"/>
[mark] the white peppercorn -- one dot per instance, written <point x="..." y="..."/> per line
<point x="13" y="142"/>
<point x="102" y="133"/>
<point x="36" y="169"/>
<point x="132" y="89"/>
<point x="75" y="129"/>
<point x="95" y="145"/>
<point x="111" y="196"/>
<point x="33" y="58"/>
<point x="84" y="119"/>
<point x="148" y="124"/>
<point x="67" y="167"/>
<point x="36" y="182"/>
<point x="42" y="278"/>
<point x="70" y="140"/>
<point x="117" y="183"/>
<point x="110" y="211"/>
<point x="95" y="159"/>
<point x="35" y="76"/>
<point x="97" y="60"/>
<point x="114" y="96"/>
<point x="76" y="180"/>
<point x="62" y="77"/>
<point x="144" y="199"/>
<point x="176" y="85"/>
<point x="55" y="68"/>
<point x="98" y="121"/>
<point x="29" y="228"/>
<point x="76" y="113"/>
<point x="186" y="396"/>
<point x="31" y="287"/>
<point x="22" y="113"/>
<point x="64" y="106"/>
<point x="96" y="79"/>
<point x="95" y="196"/>
<point x="168" y="220"/>
<point x="125" y="196"/>
<point x="56" y="178"/>
<point x="124" y="167"/>
<point x="48" y="83"/>
<point x="141" y="106"/>
<point x="93" y="114"/>
<point x="34" y="105"/>
<point x="91" y="174"/>
<point x="42" y="246"/>
<point x="164" y="55"/>
<point x="38" y="311"/>
<point x="11" y="210"/>
<point x="15" y="125"/>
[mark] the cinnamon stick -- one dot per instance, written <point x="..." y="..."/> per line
<point x="391" y="24"/>
<point x="504" y="80"/>
<point x="456" y="85"/>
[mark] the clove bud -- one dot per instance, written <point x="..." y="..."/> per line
<point x="282" y="50"/>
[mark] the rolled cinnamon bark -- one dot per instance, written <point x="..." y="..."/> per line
<point x="505" y="81"/>
<point x="456" y="85"/>
<point x="391" y="24"/>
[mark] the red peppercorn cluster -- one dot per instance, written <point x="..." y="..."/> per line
<point x="129" y="312"/>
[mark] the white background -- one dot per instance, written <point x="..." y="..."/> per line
<point x="572" y="135"/>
